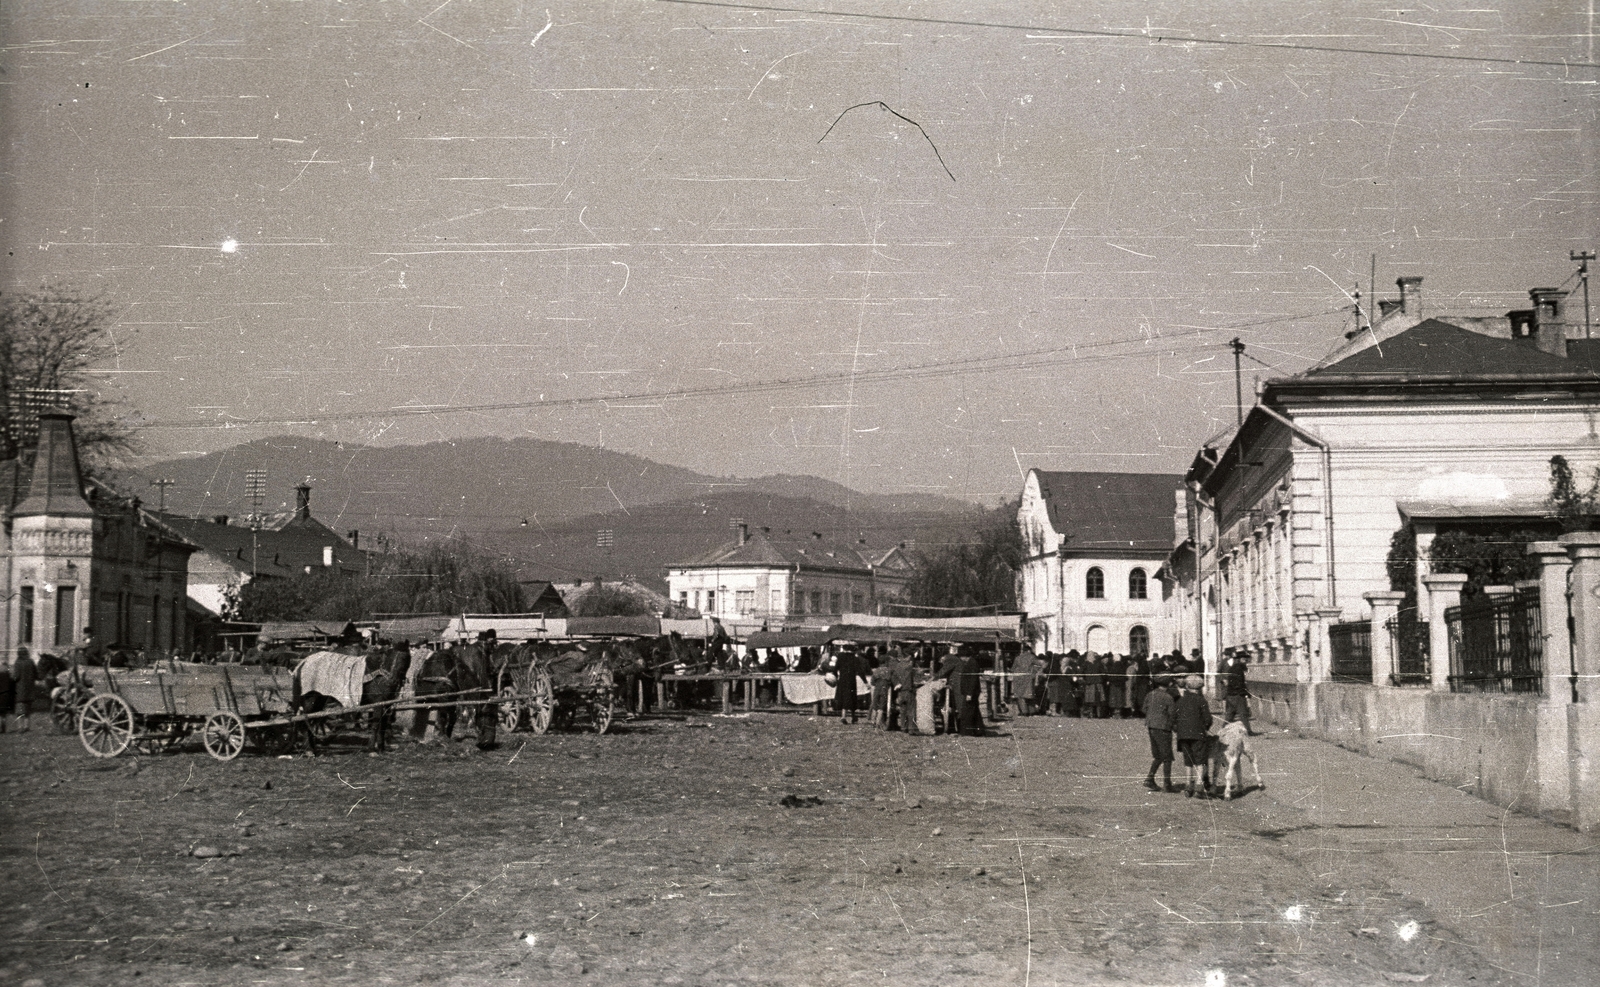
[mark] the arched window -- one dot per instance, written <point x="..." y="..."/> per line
<point x="1098" y="640"/>
<point x="1094" y="584"/>
<point x="1138" y="586"/>
<point x="1138" y="639"/>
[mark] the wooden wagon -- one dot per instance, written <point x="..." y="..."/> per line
<point x="549" y="684"/>
<point x="156" y="708"/>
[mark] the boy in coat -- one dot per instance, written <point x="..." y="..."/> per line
<point x="1190" y="721"/>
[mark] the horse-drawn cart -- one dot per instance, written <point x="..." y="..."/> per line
<point x="561" y="685"/>
<point x="154" y="709"/>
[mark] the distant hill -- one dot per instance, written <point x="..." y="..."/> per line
<point x="484" y="489"/>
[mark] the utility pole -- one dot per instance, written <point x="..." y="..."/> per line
<point x="1583" y="257"/>
<point x="163" y="484"/>
<point x="255" y="485"/>
<point x="1238" y="387"/>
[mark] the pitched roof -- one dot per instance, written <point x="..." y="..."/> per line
<point x="763" y="550"/>
<point x="276" y="553"/>
<point x="56" y="485"/>
<point x="1110" y="512"/>
<point x="1438" y="349"/>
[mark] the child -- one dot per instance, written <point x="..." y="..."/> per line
<point x="1190" y="721"/>
<point x="1159" y="706"/>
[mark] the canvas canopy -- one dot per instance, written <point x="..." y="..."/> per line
<point x="304" y="630"/>
<point x="614" y="626"/>
<point x="412" y="630"/>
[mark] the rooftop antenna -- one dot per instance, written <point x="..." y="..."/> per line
<point x="1238" y="388"/>
<point x="1583" y="257"/>
<point x="163" y="484"/>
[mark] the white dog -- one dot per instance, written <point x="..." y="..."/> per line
<point x="1230" y="744"/>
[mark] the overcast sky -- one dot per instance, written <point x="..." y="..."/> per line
<point x="619" y="224"/>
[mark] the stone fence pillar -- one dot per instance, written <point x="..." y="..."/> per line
<point x="1444" y="592"/>
<point x="1554" y="567"/>
<point x="1385" y="606"/>
<point x="1322" y="648"/>
<point x="1583" y="547"/>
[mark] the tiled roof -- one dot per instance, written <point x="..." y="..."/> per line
<point x="1438" y="349"/>
<point x="278" y="553"/>
<point x="1111" y="511"/>
<point x="762" y="549"/>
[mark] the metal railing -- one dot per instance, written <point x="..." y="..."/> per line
<point x="1408" y="641"/>
<point x="1351" y="647"/>
<point x="1496" y="644"/>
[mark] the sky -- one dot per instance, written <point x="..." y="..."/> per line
<point x="906" y="246"/>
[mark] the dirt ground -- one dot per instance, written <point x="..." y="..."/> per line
<point x="773" y="849"/>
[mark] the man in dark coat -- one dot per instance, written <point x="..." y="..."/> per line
<point x="966" y="685"/>
<point x="1236" y="690"/>
<point x="849" y="665"/>
<point x="1160" y="705"/>
<point x="481" y="659"/>
<point x="22" y="676"/>
<point x="7" y="700"/>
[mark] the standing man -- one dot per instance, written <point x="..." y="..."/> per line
<point x="903" y="679"/>
<point x="1196" y="665"/>
<point x="481" y="658"/>
<point x="7" y="695"/>
<point x="22" y="676"/>
<point x="849" y="665"/>
<point x="1190" y="721"/>
<point x="1159" y="707"/>
<point x="1236" y="691"/>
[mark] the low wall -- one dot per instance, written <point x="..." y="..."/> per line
<point x="1518" y="751"/>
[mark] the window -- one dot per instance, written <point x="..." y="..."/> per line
<point x="1138" y="586"/>
<point x="711" y="601"/>
<point x="66" y="614"/>
<point x="833" y="603"/>
<point x="1138" y="639"/>
<point x="683" y="597"/>
<point x="745" y="600"/>
<point x="816" y="601"/>
<point x="1094" y="584"/>
<point x="1097" y="640"/>
<point x="26" y="614"/>
<point x="777" y="601"/>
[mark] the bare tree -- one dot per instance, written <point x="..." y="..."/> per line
<point x="49" y="339"/>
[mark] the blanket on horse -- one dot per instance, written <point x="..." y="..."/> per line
<point x="328" y="673"/>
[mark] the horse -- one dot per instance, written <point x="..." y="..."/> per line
<point x="450" y="672"/>
<point x="382" y="673"/>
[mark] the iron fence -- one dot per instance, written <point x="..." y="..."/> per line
<point x="1408" y="641"/>
<point x="1351" y="644"/>
<point x="1496" y="644"/>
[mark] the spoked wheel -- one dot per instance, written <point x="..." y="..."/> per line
<point x="322" y="727"/>
<point x="223" y="735"/>
<point x="540" y="702"/>
<point x="65" y="707"/>
<point x="106" y="725"/>
<point x="275" y="740"/>
<point x="511" y="710"/>
<point x="602" y="714"/>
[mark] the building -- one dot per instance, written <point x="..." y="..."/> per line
<point x="229" y="553"/>
<point x="1095" y="543"/>
<point x="79" y="556"/>
<point x="1419" y="421"/>
<point x="765" y="577"/>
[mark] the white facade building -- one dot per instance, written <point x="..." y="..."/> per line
<point x="763" y="577"/>
<point x="1095" y="542"/>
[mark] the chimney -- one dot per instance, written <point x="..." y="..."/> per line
<point x="816" y="536"/>
<point x="302" y="502"/>
<point x="221" y="519"/>
<point x="354" y="537"/>
<point x="744" y="532"/>
<point x="1523" y="328"/>
<point x="327" y="556"/>
<point x="1410" y="294"/>
<point x="56" y="486"/>
<point x="1550" y="320"/>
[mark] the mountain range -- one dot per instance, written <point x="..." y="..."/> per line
<point x="559" y="510"/>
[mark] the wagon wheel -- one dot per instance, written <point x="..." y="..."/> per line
<point x="602" y="714"/>
<point x="65" y="707"/>
<point x="511" y="709"/>
<point x="540" y="701"/>
<point x="223" y="735"/>
<point x="275" y="740"/>
<point x="322" y="727"/>
<point x="106" y="725"/>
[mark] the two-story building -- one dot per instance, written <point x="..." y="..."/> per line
<point x="762" y="576"/>
<point x="76" y="555"/>
<point x="1095" y="542"/>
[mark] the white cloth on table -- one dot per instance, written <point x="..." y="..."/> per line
<point x="803" y="689"/>
<point x="331" y="674"/>
<point x="925" y="694"/>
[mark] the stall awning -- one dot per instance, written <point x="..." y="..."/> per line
<point x="788" y="639"/>
<point x="304" y="630"/>
<point x="413" y="630"/>
<point x="614" y="626"/>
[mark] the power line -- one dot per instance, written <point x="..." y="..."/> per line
<point x="1137" y="35"/>
<point x="1052" y="356"/>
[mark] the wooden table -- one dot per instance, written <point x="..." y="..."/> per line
<point x="727" y="679"/>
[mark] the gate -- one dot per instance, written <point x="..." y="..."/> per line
<point x="1351" y="644"/>
<point x="1496" y="645"/>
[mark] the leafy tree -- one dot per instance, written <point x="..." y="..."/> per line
<point x="612" y="601"/>
<point x="49" y="340"/>
<point x="978" y="571"/>
<point x="1574" y="508"/>
<point x="1495" y="556"/>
